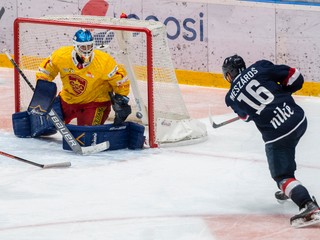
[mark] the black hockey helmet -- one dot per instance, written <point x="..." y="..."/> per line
<point x="233" y="65"/>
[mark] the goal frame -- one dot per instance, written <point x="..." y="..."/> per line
<point x="149" y="59"/>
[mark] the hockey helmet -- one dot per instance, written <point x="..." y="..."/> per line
<point x="233" y="66"/>
<point x="83" y="44"/>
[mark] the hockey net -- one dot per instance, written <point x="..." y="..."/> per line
<point x="141" y="46"/>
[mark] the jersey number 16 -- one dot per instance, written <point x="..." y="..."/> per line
<point x="258" y="92"/>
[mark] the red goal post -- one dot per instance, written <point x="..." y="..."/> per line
<point x="141" y="46"/>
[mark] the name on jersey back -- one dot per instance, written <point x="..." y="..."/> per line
<point x="241" y="81"/>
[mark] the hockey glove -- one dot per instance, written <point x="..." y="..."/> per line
<point x="244" y="116"/>
<point x="121" y="107"/>
<point x="43" y="98"/>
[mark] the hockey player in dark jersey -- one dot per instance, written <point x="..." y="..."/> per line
<point x="262" y="93"/>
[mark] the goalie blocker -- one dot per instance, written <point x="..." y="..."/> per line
<point x="43" y="98"/>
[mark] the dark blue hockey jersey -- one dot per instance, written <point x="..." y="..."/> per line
<point x="262" y="93"/>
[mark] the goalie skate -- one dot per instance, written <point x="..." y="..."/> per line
<point x="309" y="215"/>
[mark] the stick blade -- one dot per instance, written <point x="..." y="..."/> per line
<point x="213" y="124"/>
<point x="57" y="165"/>
<point x="95" y="148"/>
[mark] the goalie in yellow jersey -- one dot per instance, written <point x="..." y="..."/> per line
<point x="91" y="82"/>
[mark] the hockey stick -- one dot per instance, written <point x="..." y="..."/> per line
<point x="59" y="124"/>
<point x="53" y="165"/>
<point x="217" y="125"/>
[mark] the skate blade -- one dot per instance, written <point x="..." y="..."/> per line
<point x="282" y="201"/>
<point x="300" y="223"/>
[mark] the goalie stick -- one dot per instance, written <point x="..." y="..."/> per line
<point x="53" y="165"/>
<point x="59" y="124"/>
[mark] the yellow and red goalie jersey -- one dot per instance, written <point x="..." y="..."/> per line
<point x="88" y="84"/>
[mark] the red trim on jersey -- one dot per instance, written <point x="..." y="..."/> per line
<point x="47" y="62"/>
<point x="291" y="72"/>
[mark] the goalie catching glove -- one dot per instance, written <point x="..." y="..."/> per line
<point x="121" y="107"/>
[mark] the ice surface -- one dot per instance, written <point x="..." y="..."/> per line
<point x="218" y="189"/>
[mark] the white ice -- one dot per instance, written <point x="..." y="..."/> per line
<point x="159" y="194"/>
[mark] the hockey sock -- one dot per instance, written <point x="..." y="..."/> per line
<point x="296" y="191"/>
<point x="300" y="196"/>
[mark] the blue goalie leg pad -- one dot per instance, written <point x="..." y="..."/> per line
<point x="90" y="135"/>
<point x="21" y="124"/>
<point x="136" y="136"/>
<point x="41" y="126"/>
<point x="26" y="125"/>
<point x="128" y="135"/>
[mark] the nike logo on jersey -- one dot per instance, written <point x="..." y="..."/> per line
<point x="281" y="115"/>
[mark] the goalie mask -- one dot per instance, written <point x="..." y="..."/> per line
<point x="232" y="67"/>
<point x="83" y="44"/>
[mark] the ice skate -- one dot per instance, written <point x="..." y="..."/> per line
<point x="308" y="215"/>
<point x="281" y="197"/>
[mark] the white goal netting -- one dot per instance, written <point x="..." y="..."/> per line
<point x="141" y="46"/>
